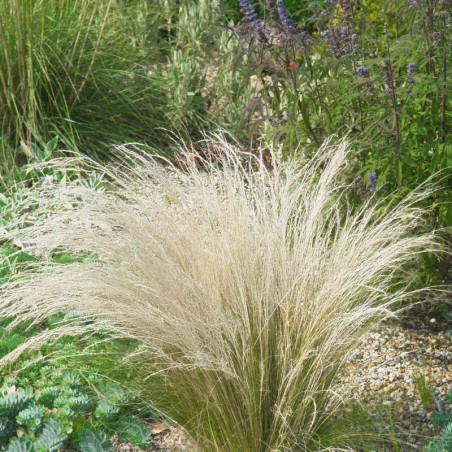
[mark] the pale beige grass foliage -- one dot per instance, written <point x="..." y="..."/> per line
<point x="246" y="289"/>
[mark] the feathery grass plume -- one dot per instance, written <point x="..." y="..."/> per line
<point x="246" y="288"/>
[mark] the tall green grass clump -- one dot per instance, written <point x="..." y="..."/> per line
<point x="72" y="69"/>
<point x="246" y="284"/>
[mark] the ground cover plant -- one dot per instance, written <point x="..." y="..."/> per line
<point x="444" y="441"/>
<point x="50" y="407"/>
<point x="68" y="401"/>
<point x="246" y="287"/>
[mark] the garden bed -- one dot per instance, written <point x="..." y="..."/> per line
<point x="384" y="374"/>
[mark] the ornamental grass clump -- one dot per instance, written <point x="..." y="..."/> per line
<point x="245" y="283"/>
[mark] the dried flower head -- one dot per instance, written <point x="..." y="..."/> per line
<point x="436" y="38"/>
<point x="362" y="72"/>
<point x="388" y="79"/>
<point x="411" y="69"/>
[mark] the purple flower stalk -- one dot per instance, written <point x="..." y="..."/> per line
<point x="251" y="15"/>
<point x="284" y="17"/>
<point x="344" y="32"/>
<point x="372" y="181"/>
<point x="329" y="37"/>
<point x="248" y="10"/>
<point x="326" y="34"/>
<point x="388" y="78"/>
<point x="255" y="22"/>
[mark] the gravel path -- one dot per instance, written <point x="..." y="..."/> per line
<point x="382" y="374"/>
<point x="385" y="372"/>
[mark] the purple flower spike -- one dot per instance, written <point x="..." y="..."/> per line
<point x="251" y="15"/>
<point x="372" y="181"/>
<point x="284" y="17"/>
<point x="256" y="23"/>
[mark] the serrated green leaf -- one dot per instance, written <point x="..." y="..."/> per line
<point x="52" y="436"/>
<point x="70" y="379"/>
<point x="78" y="403"/>
<point x="48" y="395"/>
<point x="7" y="429"/>
<point x="92" y="441"/>
<point x="32" y="417"/>
<point x="106" y="410"/>
<point x="134" y="429"/>
<point x="443" y="443"/>
<point x="442" y="419"/>
<point x="15" y="401"/>
<point x="23" y="444"/>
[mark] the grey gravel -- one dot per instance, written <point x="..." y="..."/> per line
<point x="381" y="374"/>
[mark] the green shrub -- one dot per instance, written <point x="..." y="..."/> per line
<point x="93" y="441"/>
<point x="376" y="71"/>
<point x="50" y="405"/>
<point x="444" y="442"/>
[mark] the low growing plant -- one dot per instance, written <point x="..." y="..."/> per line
<point x="444" y="440"/>
<point x="47" y="406"/>
<point x="71" y="400"/>
<point x="245" y="282"/>
<point x="425" y="390"/>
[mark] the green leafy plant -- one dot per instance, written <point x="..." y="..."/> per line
<point x="134" y="430"/>
<point x="14" y="402"/>
<point x="49" y="406"/>
<point x="93" y="441"/>
<point x="53" y="407"/>
<point x="22" y="444"/>
<point x="380" y="77"/>
<point x="32" y="417"/>
<point x="443" y="443"/>
<point x="52" y="437"/>
<point x="374" y="71"/>
<point x="425" y="390"/>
